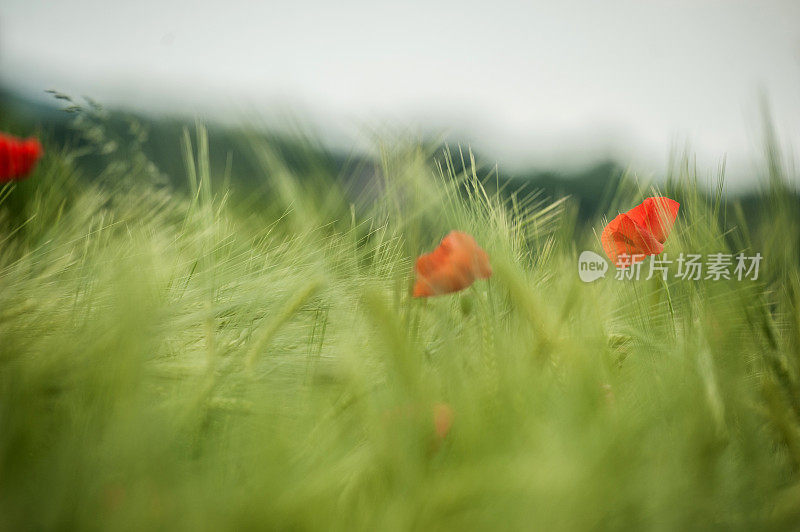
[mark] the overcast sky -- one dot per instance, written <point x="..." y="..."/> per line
<point x="525" y="82"/>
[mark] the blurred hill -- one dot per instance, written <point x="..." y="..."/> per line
<point x="97" y="133"/>
<point x="159" y="138"/>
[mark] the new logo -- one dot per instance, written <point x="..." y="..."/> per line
<point x="591" y="266"/>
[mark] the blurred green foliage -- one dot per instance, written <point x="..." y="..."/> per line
<point x="182" y="358"/>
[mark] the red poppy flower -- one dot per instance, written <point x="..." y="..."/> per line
<point x="17" y="157"/>
<point x="442" y="419"/>
<point x="452" y="266"/>
<point x="641" y="231"/>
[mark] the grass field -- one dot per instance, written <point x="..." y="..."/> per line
<point x="210" y="361"/>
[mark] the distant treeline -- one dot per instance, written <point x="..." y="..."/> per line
<point x="98" y="133"/>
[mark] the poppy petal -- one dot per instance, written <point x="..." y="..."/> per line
<point x="657" y="215"/>
<point x="442" y="419"/>
<point x="452" y="266"/>
<point x="5" y="161"/>
<point x="624" y="237"/>
<point x="17" y="157"/>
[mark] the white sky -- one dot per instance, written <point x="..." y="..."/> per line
<point x="525" y="82"/>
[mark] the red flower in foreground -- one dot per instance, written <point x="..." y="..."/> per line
<point x="17" y="157"/>
<point x="452" y="266"/>
<point x="442" y="419"/>
<point x="641" y="231"/>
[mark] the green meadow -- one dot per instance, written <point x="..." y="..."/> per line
<point x="208" y="358"/>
